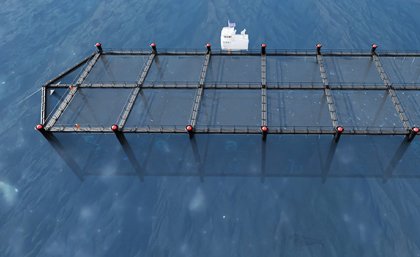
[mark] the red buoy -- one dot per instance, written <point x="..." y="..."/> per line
<point x="99" y="47"/>
<point x="39" y="127"/>
<point x="264" y="129"/>
<point x="412" y="133"/>
<point x="374" y="46"/>
<point x="189" y="128"/>
<point x="208" y="46"/>
<point x="263" y="47"/>
<point x="340" y="129"/>
<point x="318" y="48"/>
<point x="153" y="46"/>
<point x="114" y="128"/>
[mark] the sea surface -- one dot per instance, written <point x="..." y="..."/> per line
<point x="80" y="197"/>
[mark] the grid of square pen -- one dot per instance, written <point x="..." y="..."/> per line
<point x="234" y="95"/>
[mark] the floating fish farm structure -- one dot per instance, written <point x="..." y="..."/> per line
<point x="251" y="113"/>
<point x="265" y="92"/>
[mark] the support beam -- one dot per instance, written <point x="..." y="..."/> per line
<point x="391" y="91"/>
<point x="129" y="85"/>
<point x="264" y="127"/>
<point x="204" y="69"/>
<point x="43" y="104"/>
<point x="136" y="91"/>
<point x="129" y="106"/>
<point x="264" y="107"/>
<point x="271" y="52"/>
<point x="263" y="70"/>
<point x="200" y="91"/>
<point x="127" y="52"/>
<point x="186" y="85"/>
<point x="72" y="92"/>
<point x="331" y="107"/>
<point x="327" y="91"/>
<point x="146" y="70"/>
<point x="399" y="108"/>
<point x="120" y="85"/>
<point x="230" y="130"/>
<point x="196" y="106"/>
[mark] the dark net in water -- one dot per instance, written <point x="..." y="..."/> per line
<point x="410" y="100"/>
<point x="351" y="70"/>
<point x="402" y="70"/>
<point x="366" y="109"/>
<point x="298" y="108"/>
<point x="292" y="70"/>
<point x="234" y="69"/>
<point x="161" y="107"/>
<point x="96" y="107"/>
<point x="175" y="69"/>
<point x="230" y="107"/>
<point x="117" y="69"/>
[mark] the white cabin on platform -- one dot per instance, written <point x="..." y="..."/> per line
<point x="231" y="41"/>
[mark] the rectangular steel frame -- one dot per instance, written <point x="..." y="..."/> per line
<point x="50" y="123"/>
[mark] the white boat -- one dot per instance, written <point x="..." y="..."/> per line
<point x="231" y="41"/>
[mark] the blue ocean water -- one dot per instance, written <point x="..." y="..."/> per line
<point x="46" y="210"/>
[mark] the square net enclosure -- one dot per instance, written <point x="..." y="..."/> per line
<point x="267" y="92"/>
<point x="289" y="70"/>
<point x="116" y="69"/>
<point x="352" y="70"/>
